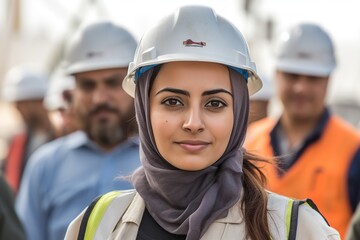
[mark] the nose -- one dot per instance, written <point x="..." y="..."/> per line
<point x="301" y="85"/>
<point x="100" y="96"/>
<point x="194" y="122"/>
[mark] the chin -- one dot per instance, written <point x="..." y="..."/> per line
<point x="192" y="167"/>
<point x="302" y="116"/>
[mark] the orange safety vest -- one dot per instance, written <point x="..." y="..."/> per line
<point x="14" y="162"/>
<point x="320" y="173"/>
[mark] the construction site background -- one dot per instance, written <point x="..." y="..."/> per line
<point x="35" y="31"/>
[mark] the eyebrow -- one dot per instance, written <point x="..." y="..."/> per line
<point x="215" y="91"/>
<point x="186" y="93"/>
<point x="116" y="76"/>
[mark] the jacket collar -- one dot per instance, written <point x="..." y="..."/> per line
<point x="137" y="207"/>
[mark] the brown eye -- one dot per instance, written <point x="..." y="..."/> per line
<point x="114" y="82"/>
<point x="86" y="85"/>
<point x="215" y="104"/>
<point x="172" y="102"/>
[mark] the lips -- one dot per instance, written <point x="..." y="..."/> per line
<point x="193" y="145"/>
<point x="102" y="115"/>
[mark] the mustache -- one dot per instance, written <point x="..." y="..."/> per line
<point x="103" y="107"/>
<point x="301" y="96"/>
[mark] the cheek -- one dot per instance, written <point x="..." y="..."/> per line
<point x="221" y="129"/>
<point x="80" y="106"/>
<point x="163" y="127"/>
<point x="279" y="89"/>
<point x="284" y="89"/>
<point x="125" y="104"/>
<point x="226" y="129"/>
<point x="321" y="91"/>
<point x="160" y="125"/>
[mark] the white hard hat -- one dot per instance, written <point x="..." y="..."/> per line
<point x="24" y="84"/>
<point x="193" y="33"/>
<point x="266" y="92"/>
<point x="100" y="45"/>
<point x="306" y="49"/>
<point x="59" y="84"/>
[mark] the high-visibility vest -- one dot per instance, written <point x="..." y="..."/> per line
<point x="14" y="163"/>
<point x="320" y="173"/>
<point x="102" y="215"/>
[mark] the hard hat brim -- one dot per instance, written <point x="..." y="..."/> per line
<point x="87" y="66"/>
<point x="254" y="82"/>
<point x="305" y="67"/>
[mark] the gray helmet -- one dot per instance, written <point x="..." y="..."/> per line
<point x="22" y="83"/>
<point x="306" y="49"/>
<point x="100" y="45"/>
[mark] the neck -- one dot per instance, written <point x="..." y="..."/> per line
<point x="41" y="124"/>
<point x="296" y="129"/>
<point x="108" y="146"/>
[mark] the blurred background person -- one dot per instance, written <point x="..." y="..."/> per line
<point x="25" y="88"/>
<point x="57" y="101"/>
<point x="259" y="102"/>
<point x="320" y="152"/>
<point x="10" y="225"/>
<point x="63" y="176"/>
<point x="353" y="232"/>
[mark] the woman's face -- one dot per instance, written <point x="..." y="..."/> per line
<point x="191" y="112"/>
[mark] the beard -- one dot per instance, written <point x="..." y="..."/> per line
<point x="105" y="131"/>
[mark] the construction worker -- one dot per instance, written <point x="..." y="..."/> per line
<point x="67" y="173"/>
<point x="319" y="152"/>
<point x="259" y="102"/>
<point x="191" y="79"/>
<point x="58" y="103"/>
<point x="10" y="225"/>
<point x="25" y="88"/>
<point x="353" y="232"/>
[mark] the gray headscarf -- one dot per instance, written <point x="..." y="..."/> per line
<point x="187" y="202"/>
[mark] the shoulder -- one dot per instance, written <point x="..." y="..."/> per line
<point x="344" y="127"/>
<point x="46" y="160"/>
<point x="262" y="124"/>
<point x="311" y="225"/>
<point x="130" y="145"/>
<point x="123" y="196"/>
<point x="277" y="201"/>
<point x="55" y="147"/>
<point x="259" y="128"/>
<point x="103" y="212"/>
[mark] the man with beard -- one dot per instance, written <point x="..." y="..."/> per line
<point x="319" y="153"/>
<point x="65" y="175"/>
<point x="25" y="88"/>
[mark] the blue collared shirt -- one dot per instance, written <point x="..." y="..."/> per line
<point x="354" y="169"/>
<point x="64" y="176"/>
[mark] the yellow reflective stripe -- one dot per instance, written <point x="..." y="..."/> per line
<point x="288" y="217"/>
<point x="97" y="214"/>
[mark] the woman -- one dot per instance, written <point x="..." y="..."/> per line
<point x="191" y="78"/>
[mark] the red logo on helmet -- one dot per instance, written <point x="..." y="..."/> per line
<point x="191" y="43"/>
<point x="93" y="54"/>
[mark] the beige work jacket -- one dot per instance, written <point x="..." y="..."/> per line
<point x="311" y="226"/>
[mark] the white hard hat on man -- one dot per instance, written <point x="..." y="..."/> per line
<point x="100" y="45"/>
<point x="23" y="83"/>
<point x="306" y="49"/>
